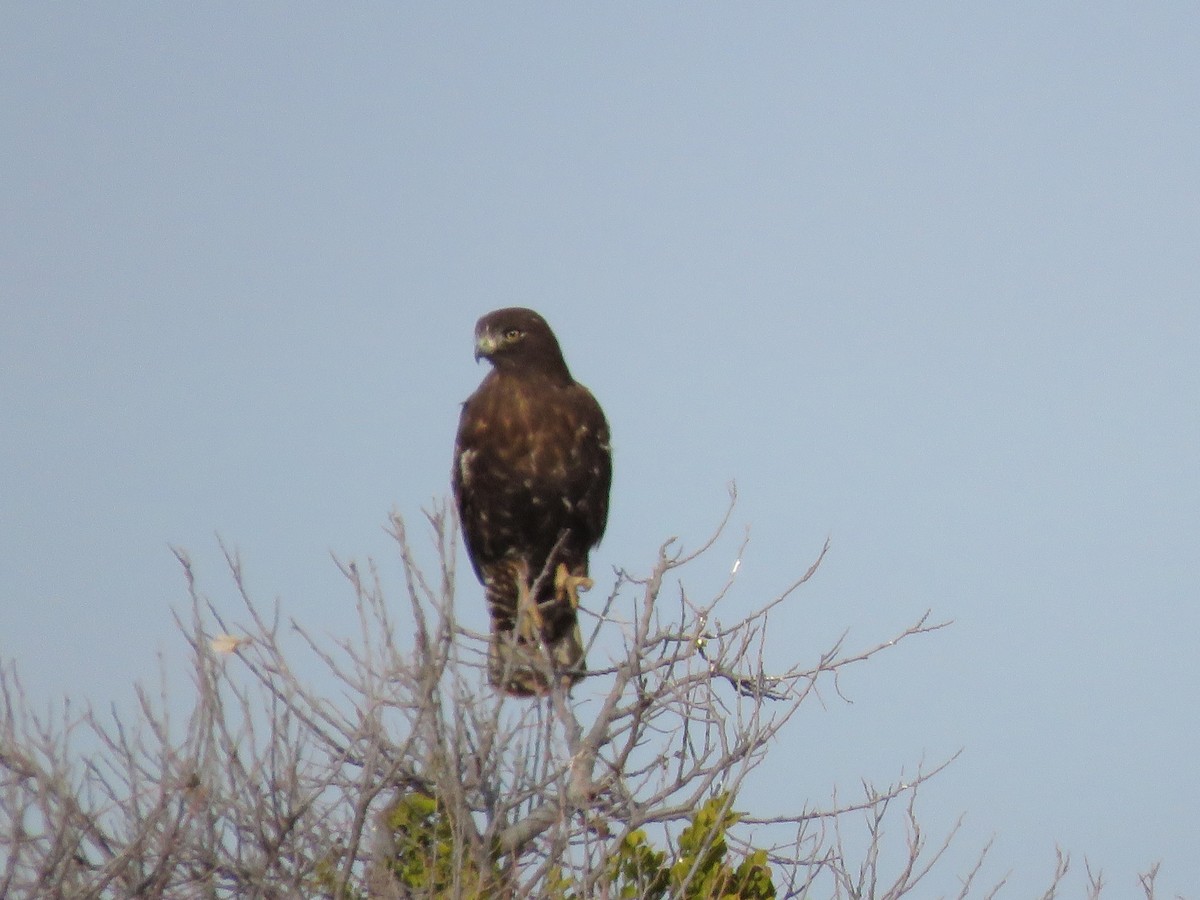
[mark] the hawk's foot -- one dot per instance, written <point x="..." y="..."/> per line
<point x="568" y="586"/>
<point x="530" y="621"/>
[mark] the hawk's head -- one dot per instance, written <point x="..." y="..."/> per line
<point x="518" y="339"/>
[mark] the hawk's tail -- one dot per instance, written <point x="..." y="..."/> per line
<point x="524" y="664"/>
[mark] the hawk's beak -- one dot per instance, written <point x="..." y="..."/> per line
<point x="485" y="345"/>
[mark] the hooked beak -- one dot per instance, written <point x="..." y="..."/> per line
<point x="485" y="345"/>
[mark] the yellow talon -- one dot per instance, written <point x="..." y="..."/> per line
<point x="529" y="617"/>
<point x="568" y="586"/>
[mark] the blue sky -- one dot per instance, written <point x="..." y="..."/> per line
<point x="922" y="278"/>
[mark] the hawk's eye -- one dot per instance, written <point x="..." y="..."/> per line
<point x="512" y="334"/>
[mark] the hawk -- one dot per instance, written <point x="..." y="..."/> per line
<point x="532" y="470"/>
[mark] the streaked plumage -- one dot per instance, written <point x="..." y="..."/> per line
<point x="531" y="476"/>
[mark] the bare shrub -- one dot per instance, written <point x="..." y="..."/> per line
<point x="401" y="773"/>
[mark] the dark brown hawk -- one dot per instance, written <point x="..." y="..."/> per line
<point x="532" y="469"/>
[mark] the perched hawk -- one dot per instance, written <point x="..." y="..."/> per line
<point x="532" y="469"/>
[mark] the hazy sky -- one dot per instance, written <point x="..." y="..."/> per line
<point x="923" y="278"/>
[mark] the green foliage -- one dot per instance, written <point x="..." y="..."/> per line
<point x="427" y="859"/>
<point x="700" y="872"/>
<point x="637" y="869"/>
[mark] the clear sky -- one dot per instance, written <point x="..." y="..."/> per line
<point x="921" y="277"/>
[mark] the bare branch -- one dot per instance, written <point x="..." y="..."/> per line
<point x="340" y="769"/>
